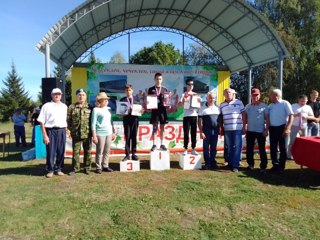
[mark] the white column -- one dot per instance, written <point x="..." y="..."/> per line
<point x="280" y="70"/>
<point x="47" y="60"/>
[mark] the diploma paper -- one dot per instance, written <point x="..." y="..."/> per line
<point x="195" y="101"/>
<point x="136" y="110"/>
<point x="152" y="102"/>
<point x="122" y="108"/>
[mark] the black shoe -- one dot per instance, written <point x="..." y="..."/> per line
<point x="98" y="171"/>
<point x="214" y="167"/>
<point x="125" y="158"/>
<point x="134" y="157"/>
<point x="87" y="172"/>
<point x="163" y="148"/>
<point x="154" y="147"/>
<point x="276" y="169"/>
<point x="206" y="167"/>
<point x="249" y="168"/>
<point x="73" y="173"/>
<point x="263" y="171"/>
<point x="107" y="169"/>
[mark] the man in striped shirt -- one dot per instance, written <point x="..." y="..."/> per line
<point x="232" y="111"/>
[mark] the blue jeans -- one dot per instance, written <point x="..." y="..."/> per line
<point x="313" y="129"/>
<point x="233" y="140"/>
<point x="210" y="146"/>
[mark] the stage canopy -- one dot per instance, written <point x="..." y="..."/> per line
<point x="231" y="28"/>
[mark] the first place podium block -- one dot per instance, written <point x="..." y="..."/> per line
<point x="160" y="160"/>
<point x="190" y="162"/>
<point x="129" y="166"/>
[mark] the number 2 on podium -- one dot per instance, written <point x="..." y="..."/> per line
<point x="159" y="155"/>
<point x="192" y="158"/>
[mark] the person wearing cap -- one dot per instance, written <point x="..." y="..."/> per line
<point x="232" y="111"/>
<point x="79" y="115"/>
<point x="256" y="123"/>
<point x="190" y="118"/>
<point x="18" y="124"/>
<point x="158" y="115"/>
<point x="209" y="123"/>
<point x="281" y="119"/>
<point x="301" y="113"/>
<point x="103" y="132"/>
<point x="130" y="125"/>
<point x="34" y="123"/>
<point x="53" y="122"/>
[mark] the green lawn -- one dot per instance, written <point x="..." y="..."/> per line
<point x="172" y="204"/>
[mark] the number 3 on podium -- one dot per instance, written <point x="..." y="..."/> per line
<point x="129" y="166"/>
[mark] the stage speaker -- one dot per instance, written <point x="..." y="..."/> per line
<point x="47" y="85"/>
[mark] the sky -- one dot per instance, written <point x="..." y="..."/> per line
<point x="25" y="22"/>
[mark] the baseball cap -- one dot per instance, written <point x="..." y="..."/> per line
<point x="255" y="91"/>
<point x="80" y="90"/>
<point x="56" y="90"/>
<point x="189" y="82"/>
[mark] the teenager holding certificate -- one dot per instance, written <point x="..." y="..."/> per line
<point x="190" y="118"/>
<point x="130" y="124"/>
<point x="158" y="115"/>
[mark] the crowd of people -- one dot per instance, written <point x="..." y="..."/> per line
<point x="280" y="120"/>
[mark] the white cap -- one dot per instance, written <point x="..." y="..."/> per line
<point x="56" y="90"/>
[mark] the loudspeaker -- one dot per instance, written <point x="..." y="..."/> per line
<point x="47" y="85"/>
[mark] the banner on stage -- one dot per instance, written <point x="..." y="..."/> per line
<point x="112" y="78"/>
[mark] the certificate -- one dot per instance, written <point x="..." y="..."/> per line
<point x="122" y="108"/>
<point x="152" y="102"/>
<point x="195" y="101"/>
<point x="136" y="110"/>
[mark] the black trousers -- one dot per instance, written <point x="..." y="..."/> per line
<point x="251" y="138"/>
<point x="278" y="140"/>
<point x="130" y="125"/>
<point x="190" y="123"/>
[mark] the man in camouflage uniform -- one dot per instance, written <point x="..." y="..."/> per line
<point x="79" y="115"/>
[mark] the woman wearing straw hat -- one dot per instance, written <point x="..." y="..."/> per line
<point x="102" y="132"/>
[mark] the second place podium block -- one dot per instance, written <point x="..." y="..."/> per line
<point x="160" y="160"/>
<point x="190" y="162"/>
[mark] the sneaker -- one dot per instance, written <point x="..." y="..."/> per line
<point x="194" y="152"/>
<point x="107" y="169"/>
<point x="98" y="171"/>
<point x="249" y="168"/>
<point x="134" y="157"/>
<point x="125" y="158"/>
<point x="154" y="147"/>
<point x="60" y="173"/>
<point x="185" y="152"/>
<point x="235" y="170"/>
<point x="49" y="174"/>
<point x="163" y="148"/>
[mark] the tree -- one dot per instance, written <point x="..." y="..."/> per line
<point x="197" y="55"/>
<point x="117" y="57"/>
<point x="13" y="95"/>
<point x="298" y="24"/>
<point x="158" y="54"/>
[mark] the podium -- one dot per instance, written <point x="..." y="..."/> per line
<point x="129" y="166"/>
<point x="190" y="162"/>
<point x="159" y="160"/>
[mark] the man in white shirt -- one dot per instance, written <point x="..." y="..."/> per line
<point x="53" y="122"/>
<point x="301" y="113"/>
<point x="281" y="118"/>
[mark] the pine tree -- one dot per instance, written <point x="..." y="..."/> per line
<point x="13" y="95"/>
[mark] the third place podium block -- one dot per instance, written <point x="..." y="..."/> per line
<point x="190" y="162"/>
<point x="159" y="160"/>
<point x="129" y="166"/>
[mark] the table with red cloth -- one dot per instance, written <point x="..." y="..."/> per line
<point x="306" y="152"/>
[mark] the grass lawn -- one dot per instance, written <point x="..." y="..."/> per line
<point x="172" y="204"/>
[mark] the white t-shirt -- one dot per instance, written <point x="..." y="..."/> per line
<point x="305" y="110"/>
<point x="188" y="112"/>
<point x="53" y="115"/>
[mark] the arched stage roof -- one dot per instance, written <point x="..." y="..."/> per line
<point x="231" y="28"/>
